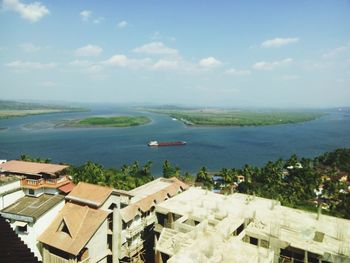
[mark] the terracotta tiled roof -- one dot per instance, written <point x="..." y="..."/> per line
<point x="12" y="248"/>
<point x="129" y="212"/>
<point x="67" y="188"/>
<point x="31" y="167"/>
<point x="144" y="204"/>
<point x="81" y="221"/>
<point x="90" y="194"/>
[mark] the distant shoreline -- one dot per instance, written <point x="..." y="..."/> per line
<point x="229" y="118"/>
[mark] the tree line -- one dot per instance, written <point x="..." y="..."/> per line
<point x="303" y="183"/>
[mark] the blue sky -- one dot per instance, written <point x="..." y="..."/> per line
<point x="209" y="53"/>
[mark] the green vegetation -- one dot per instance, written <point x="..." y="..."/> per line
<point x="293" y="182"/>
<point x="119" y="121"/>
<point x="10" y="109"/>
<point x="126" y="178"/>
<point x="28" y="158"/>
<point x="214" y="117"/>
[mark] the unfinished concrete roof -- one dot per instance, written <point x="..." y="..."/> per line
<point x="210" y="247"/>
<point x="146" y="196"/>
<point x="31" y="208"/>
<point x="22" y="167"/>
<point x="90" y="194"/>
<point x="324" y="236"/>
<point x="81" y="223"/>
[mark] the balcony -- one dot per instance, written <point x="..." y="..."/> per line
<point x="148" y="220"/>
<point x="133" y="230"/>
<point x="131" y="250"/>
<point x="49" y="183"/>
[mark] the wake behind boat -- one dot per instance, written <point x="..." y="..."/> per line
<point x="159" y="144"/>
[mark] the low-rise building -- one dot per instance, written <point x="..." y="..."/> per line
<point x="101" y="224"/>
<point x="201" y="226"/>
<point x="29" y="217"/>
<point x="36" y="178"/>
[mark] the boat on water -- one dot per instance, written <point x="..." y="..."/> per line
<point x="159" y="144"/>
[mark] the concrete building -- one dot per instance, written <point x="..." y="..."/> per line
<point x="10" y="190"/>
<point x="201" y="226"/>
<point x="29" y="216"/>
<point x="36" y="178"/>
<point x="101" y="224"/>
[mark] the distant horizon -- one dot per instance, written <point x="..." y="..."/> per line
<point x="178" y="105"/>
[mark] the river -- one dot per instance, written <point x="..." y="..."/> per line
<point x="214" y="147"/>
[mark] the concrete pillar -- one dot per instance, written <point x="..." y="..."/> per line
<point x="305" y="257"/>
<point x="157" y="254"/>
<point x="116" y="236"/>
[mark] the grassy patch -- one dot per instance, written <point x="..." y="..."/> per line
<point x="238" y="118"/>
<point x="118" y="121"/>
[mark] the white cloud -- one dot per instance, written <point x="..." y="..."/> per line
<point x="263" y="65"/>
<point x="336" y="51"/>
<point x="29" y="47"/>
<point x="237" y="72"/>
<point x="156" y="48"/>
<point x="279" y="42"/>
<point x="122" y="24"/>
<point x="209" y="62"/>
<point x="88" y="51"/>
<point x="27" y="65"/>
<point x="165" y="64"/>
<point x="85" y="15"/>
<point x="86" y="66"/>
<point x="98" y="20"/>
<point x="32" y="12"/>
<point x="123" y="61"/>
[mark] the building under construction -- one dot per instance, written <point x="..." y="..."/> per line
<point x="201" y="226"/>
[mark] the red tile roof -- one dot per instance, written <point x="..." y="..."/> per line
<point x="67" y="188"/>
<point x="23" y="167"/>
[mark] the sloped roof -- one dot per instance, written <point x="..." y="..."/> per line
<point x="67" y="188"/>
<point x="82" y="223"/>
<point x="146" y="195"/>
<point x="90" y="194"/>
<point x="31" y="167"/>
<point x="31" y="208"/>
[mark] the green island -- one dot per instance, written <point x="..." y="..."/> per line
<point x="116" y="121"/>
<point x="222" y="117"/>
<point x="9" y="109"/>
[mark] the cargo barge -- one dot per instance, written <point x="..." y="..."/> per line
<point x="160" y="144"/>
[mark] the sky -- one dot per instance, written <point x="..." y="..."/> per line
<point x="183" y="52"/>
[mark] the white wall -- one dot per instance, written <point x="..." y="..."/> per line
<point x="52" y="191"/>
<point x="9" y="199"/>
<point x="38" y="228"/>
<point x="37" y="192"/>
<point x="10" y="186"/>
<point x="111" y="199"/>
<point x="98" y="244"/>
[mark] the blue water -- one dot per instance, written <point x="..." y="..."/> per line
<point x="211" y="147"/>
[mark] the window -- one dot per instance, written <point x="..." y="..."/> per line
<point x="22" y="229"/>
<point x="63" y="228"/>
<point x="253" y="241"/>
<point x="31" y="192"/>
